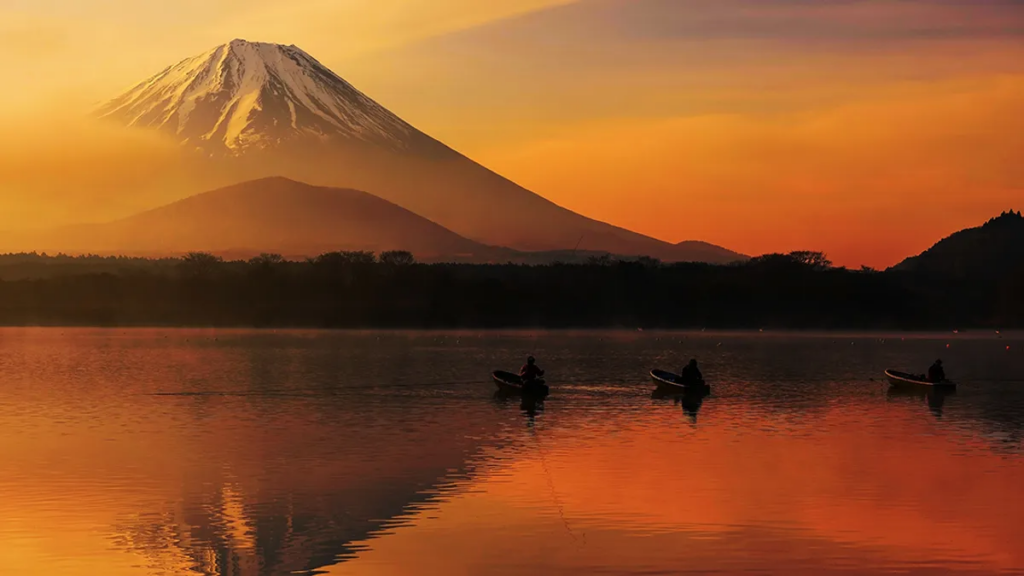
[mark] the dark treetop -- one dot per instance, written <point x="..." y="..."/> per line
<point x="360" y="289"/>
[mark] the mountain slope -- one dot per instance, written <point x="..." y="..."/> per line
<point x="270" y="215"/>
<point x="994" y="249"/>
<point x="257" y="110"/>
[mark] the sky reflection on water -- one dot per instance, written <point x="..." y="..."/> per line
<point x="235" y="452"/>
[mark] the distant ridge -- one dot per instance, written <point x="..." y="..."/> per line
<point x="995" y="248"/>
<point x="274" y="215"/>
<point x="255" y="109"/>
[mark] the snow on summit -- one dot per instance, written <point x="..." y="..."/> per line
<point x="252" y="95"/>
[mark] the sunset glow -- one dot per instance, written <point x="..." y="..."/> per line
<point x="506" y="287"/>
<point x="865" y="129"/>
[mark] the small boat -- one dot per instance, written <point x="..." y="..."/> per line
<point x="509" y="383"/>
<point x="902" y="379"/>
<point x="673" y="382"/>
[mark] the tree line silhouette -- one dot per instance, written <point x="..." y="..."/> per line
<point x="362" y="289"/>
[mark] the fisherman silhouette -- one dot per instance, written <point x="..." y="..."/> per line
<point x="936" y="374"/>
<point x="691" y="374"/>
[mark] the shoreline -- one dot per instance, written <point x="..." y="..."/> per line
<point x="964" y="334"/>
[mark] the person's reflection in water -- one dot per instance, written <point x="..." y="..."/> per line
<point x="691" y="406"/>
<point x="691" y="401"/>
<point x="530" y="407"/>
<point x="937" y="400"/>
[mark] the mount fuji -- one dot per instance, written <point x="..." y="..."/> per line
<point x="253" y="110"/>
<point x="244" y="96"/>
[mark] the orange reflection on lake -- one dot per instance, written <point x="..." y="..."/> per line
<point x="237" y="453"/>
<point x="661" y="495"/>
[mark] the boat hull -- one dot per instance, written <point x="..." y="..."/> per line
<point x="512" y="384"/>
<point x="905" y="380"/>
<point x="669" y="382"/>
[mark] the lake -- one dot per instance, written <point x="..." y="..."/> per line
<point x="232" y="452"/>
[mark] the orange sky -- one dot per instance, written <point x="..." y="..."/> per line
<point x="867" y="129"/>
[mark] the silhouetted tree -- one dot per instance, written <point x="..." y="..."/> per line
<point x="804" y="258"/>
<point x="816" y="260"/>
<point x="360" y="257"/>
<point x="397" y="258"/>
<point x="200" y="264"/>
<point x="266" y="260"/>
<point x="266" y="267"/>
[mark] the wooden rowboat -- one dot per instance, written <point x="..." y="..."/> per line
<point x="509" y="383"/>
<point x="673" y="382"/>
<point x="905" y="380"/>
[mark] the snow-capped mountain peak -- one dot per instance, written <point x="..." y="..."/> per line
<point x="245" y="95"/>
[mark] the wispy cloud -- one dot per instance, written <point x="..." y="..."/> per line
<point x="347" y="29"/>
<point x="667" y="58"/>
<point x="94" y="48"/>
<point x="791" y="21"/>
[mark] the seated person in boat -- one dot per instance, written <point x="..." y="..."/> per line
<point x="530" y="372"/>
<point x="691" y="374"/>
<point x="936" y="374"/>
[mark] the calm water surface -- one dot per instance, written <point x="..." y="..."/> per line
<point x="383" y="453"/>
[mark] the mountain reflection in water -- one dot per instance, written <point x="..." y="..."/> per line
<point x="247" y="452"/>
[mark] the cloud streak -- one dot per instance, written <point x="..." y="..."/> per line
<point x="790" y="21"/>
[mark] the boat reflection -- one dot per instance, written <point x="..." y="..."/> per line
<point x="935" y="399"/>
<point x="531" y="406"/>
<point x="691" y="405"/>
<point x="691" y="401"/>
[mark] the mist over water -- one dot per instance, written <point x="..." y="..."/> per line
<point x="276" y="452"/>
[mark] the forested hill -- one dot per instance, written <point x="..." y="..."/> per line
<point x="994" y="250"/>
<point x="358" y="289"/>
